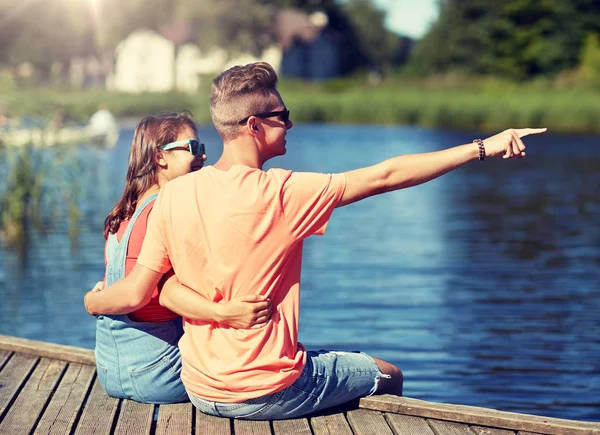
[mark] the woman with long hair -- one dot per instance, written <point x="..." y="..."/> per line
<point x="136" y="354"/>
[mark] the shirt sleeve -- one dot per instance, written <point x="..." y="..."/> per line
<point x="154" y="254"/>
<point x="308" y="199"/>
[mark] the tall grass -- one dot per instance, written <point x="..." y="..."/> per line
<point x="566" y="110"/>
<point x="20" y="200"/>
<point x="483" y="104"/>
<point x="40" y="189"/>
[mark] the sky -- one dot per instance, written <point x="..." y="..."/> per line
<point x="409" y="17"/>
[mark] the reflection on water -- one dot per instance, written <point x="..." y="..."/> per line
<point x="483" y="286"/>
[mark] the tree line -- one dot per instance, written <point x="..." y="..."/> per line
<point x="49" y="34"/>
<point x="513" y="39"/>
<point x="516" y="39"/>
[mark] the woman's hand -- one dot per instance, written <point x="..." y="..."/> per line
<point x="98" y="287"/>
<point x="508" y="144"/>
<point x="246" y="311"/>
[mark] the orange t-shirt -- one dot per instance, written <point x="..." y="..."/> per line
<point x="233" y="233"/>
<point x="153" y="311"/>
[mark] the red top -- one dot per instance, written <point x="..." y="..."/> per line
<point x="153" y="311"/>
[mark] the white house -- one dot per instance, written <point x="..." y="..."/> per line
<point x="148" y="62"/>
<point x="144" y="61"/>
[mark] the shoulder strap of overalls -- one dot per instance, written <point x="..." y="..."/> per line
<point x="138" y="212"/>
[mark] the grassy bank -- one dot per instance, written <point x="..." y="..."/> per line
<point x="468" y="106"/>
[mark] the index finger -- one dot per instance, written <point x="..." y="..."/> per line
<point x="527" y="131"/>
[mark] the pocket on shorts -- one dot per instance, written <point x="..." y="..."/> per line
<point x="158" y="383"/>
<point x="102" y="373"/>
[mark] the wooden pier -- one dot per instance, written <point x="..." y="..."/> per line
<point x="52" y="389"/>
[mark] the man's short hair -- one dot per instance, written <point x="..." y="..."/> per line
<point x="241" y="91"/>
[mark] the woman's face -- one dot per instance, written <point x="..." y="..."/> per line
<point x="180" y="160"/>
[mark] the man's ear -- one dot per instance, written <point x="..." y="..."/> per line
<point x="253" y="125"/>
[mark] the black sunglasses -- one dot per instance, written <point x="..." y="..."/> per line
<point x="284" y="114"/>
<point x="195" y="147"/>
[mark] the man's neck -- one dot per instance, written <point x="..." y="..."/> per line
<point x="239" y="152"/>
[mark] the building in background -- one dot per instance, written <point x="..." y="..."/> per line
<point x="144" y="62"/>
<point x="147" y="61"/>
<point x="311" y="49"/>
<point x="309" y="46"/>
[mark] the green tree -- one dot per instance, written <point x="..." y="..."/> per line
<point x="230" y="24"/>
<point x="590" y="60"/>
<point x="63" y="31"/>
<point x="116" y="19"/>
<point x="513" y="38"/>
<point x="377" y="43"/>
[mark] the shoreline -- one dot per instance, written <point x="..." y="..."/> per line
<point x="401" y="103"/>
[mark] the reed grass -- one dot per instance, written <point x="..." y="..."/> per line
<point x="479" y="105"/>
<point x="20" y="198"/>
<point x="39" y="190"/>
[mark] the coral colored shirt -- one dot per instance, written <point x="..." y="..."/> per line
<point x="232" y="233"/>
<point x="153" y="311"/>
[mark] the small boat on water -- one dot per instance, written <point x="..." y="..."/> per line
<point x="102" y="130"/>
<point x="48" y="137"/>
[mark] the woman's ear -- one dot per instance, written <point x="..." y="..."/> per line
<point x="161" y="160"/>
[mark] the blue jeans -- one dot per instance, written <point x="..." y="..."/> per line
<point x="328" y="379"/>
<point x="137" y="360"/>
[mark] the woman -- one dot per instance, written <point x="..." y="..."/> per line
<point x="137" y="355"/>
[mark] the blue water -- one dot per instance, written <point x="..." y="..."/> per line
<point x="483" y="286"/>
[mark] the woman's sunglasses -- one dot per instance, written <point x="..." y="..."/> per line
<point x="283" y="114"/>
<point x="195" y="147"/>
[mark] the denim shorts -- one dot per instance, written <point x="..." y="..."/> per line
<point x="328" y="379"/>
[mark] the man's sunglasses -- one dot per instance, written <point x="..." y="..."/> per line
<point x="195" y="147"/>
<point x="284" y="114"/>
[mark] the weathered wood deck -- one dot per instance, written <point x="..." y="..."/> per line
<point x="49" y="388"/>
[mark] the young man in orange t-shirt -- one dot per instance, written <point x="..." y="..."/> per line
<point x="233" y="229"/>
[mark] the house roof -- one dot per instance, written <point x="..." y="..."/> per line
<point x="293" y="24"/>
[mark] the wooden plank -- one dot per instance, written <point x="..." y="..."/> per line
<point x="99" y="412"/>
<point x="441" y="427"/>
<point x="12" y="377"/>
<point x="408" y="425"/>
<point x="135" y="418"/>
<point x="251" y="427"/>
<point x="29" y="405"/>
<point x="175" y="419"/>
<point x="333" y="424"/>
<point x="491" y="431"/>
<point x="297" y="426"/>
<point x="479" y="416"/>
<point x="48" y="350"/>
<point x="366" y="422"/>
<point x="4" y="355"/>
<point x="210" y="425"/>
<point x="67" y="401"/>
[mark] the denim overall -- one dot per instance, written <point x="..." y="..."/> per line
<point x="137" y="360"/>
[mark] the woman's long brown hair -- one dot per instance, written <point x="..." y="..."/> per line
<point x="142" y="173"/>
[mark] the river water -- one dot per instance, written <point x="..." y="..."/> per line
<point x="483" y="286"/>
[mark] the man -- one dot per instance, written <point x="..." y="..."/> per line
<point x="233" y="229"/>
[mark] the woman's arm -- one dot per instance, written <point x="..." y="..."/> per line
<point x="239" y="313"/>
<point x="124" y="296"/>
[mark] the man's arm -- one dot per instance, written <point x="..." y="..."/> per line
<point x="126" y="295"/>
<point x="411" y="170"/>
<point x="241" y="313"/>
